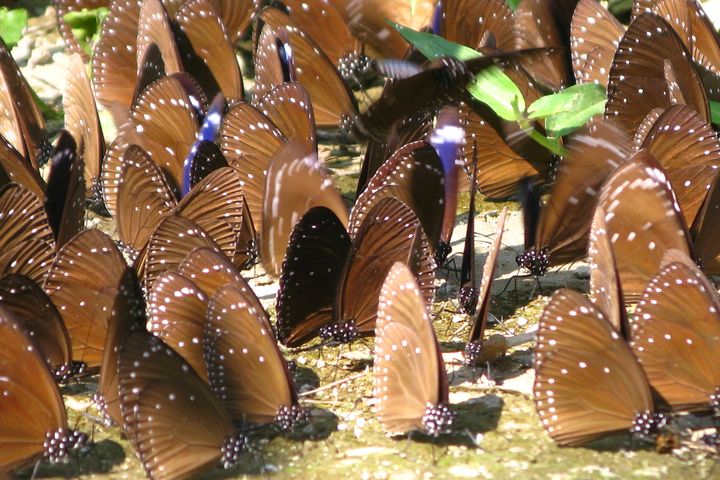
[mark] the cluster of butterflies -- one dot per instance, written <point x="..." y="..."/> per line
<point x="203" y="181"/>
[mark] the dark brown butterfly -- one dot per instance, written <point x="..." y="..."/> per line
<point x="34" y="310"/>
<point x="173" y="239"/>
<point x="539" y="23"/>
<point x="34" y="424"/>
<point x="651" y="69"/>
<point x="414" y="175"/>
<point x="675" y="332"/>
<point x="175" y="423"/>
<point x="594" y="37"/>
<point x="688" y="149"/>
<point x="367" y="20"/>
<point x="560" y="232"/>
<point x="403" y="131"/>
<point x="251" y="136"/>
<point x="245" y="367"/>
<point x="15" y="168"/>
<point x="705" y="231"/>
<point x="605" y="289"/>
<point x="295" y="182"/>
<point x="478" y="24"/>
<point x="21" y="121"/>
<point x="82" y="283"/>
<point x="321" y="21"/>
<point x="478" y="348"/>
<point x="406" y="347"/>
<point x="332" y="102"/>
<point x="83" y="123"/>
<point x="176" y="314"/>
<point x="127" y="314"/>
<point x="64" y="7"/>
<point x="692" y="25"/>
<point x="329" y="284"/>
<point x="642" y="221"/>
<point x="307" y="293"/>
<point x="588" y="383"/>
<point x="27" y="244"/>
<point x="65" y="193"/>
<point x="390" y="233"/>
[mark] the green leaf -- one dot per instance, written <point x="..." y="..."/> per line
<point x="12" y="25"/>
<point x="620" y="7"/>
<point x="86" y="25"/>
<point x="715" y="112"/>
<point x="513" y="4"/>
<point x="569" y="109"/>
<point x="491" y="86"/>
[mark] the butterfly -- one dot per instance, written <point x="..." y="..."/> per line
<point x="330" y="280"/>
<point x="652" y="68"/>
<point x="588" y="383"/>
<point x="406" y="347"/>
<point x="594" y="37"/>
<point x="38" y="316"/>
<point x="172" y="419"/>
<point x="34" y="426"/>
<point x="557" y="232"/>
<point x="642" y="221"/>
<point x="21" y="122"/>
<point x="674" y="331"/>
<point x="82" y="283"/>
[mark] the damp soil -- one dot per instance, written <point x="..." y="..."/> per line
<point x="497" y="432"/>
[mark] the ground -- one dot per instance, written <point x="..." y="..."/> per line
<point x="497" y="432"/>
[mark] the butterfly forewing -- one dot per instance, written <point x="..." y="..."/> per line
<point x="414" y="175"/>
<point x="295" y="183"/>
<point x="164" y="123"/>
<point x="127" y="314"/>
<point x="408" y="371"/>
<point x="595" y="35"/>
<point x="176" y="314"/>
<point x="143" y="198"/>
<point x="209" y="270"/>
<point x="642" y="220"/>
<point x="40" y="319"/>
<point x="82" y="121"/>
<point x="651" y="69"/>
<point x="206" y="41"/>
<point x="390" y="233"/>
<point x="675" y="333"/>
<point x="31" y="402"/>
<point x="588" y="383"/>
<point x="82" y="283"/>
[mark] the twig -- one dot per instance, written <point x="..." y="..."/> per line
<point x="333" y="384"/>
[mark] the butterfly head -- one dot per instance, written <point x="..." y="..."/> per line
<point x="535" y="260"/>
<point x="233" y="447"/>
<point x="647" y="423"/>
<point x="59" y="442"/>
<point x="438" y="419"/>
<point x="468" y="298"/>
<point x="341" y="332"/>
<point x="290" y="417"/>
<point x="356" y="66"/>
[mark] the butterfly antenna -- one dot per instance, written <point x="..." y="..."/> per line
<point x="35" y="470"/>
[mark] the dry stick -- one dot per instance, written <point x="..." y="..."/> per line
<point x="333" y="384"/>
